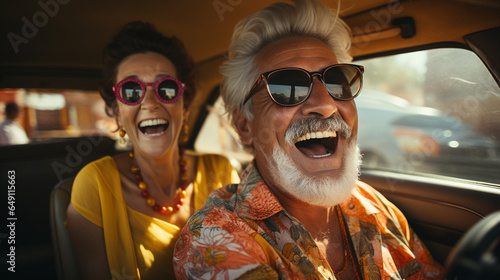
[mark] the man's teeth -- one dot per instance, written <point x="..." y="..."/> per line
<point x="152" y="122"/>
<point x="317" y="135"/>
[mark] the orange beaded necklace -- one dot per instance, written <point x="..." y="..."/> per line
<point x="149" y="200"/>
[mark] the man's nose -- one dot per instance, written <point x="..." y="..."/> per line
<point x="320" y="103"/>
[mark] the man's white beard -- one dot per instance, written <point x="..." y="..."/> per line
<point x="326" y="191"/>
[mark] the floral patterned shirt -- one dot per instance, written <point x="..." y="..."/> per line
<point x="243" y="232"/>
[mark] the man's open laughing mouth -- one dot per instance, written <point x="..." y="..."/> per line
<point x="317" y="138"/>
<point x="317" y="144"/>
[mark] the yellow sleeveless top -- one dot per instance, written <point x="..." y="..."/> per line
<point x="139" y="246"/>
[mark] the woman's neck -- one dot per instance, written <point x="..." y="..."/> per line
<point x="160" y="173"/>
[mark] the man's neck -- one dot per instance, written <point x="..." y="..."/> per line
<point x="317" y="220"/>
<point x="324" y="226"/>
<point x="309" y="215"/>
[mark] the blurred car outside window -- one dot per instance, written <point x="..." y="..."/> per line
<point x="433" y="111"/>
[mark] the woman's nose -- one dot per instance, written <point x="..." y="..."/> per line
<point x="150" y="99"/>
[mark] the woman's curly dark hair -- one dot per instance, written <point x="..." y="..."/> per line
<point x="141" y="37"/>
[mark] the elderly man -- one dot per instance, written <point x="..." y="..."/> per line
<point x="299" y="211"/>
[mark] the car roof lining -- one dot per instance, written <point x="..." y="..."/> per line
<point x="58" y="42"/>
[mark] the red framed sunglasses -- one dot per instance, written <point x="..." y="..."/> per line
<point x="131" y="91"/>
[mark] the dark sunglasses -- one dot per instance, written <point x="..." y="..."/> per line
<point x="131" y="91"/>
<point x="292" y="86"/>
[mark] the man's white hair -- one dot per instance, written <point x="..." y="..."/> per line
<point x="307" y="18"/>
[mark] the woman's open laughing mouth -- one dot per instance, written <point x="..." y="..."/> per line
<point x="153" y="127"/>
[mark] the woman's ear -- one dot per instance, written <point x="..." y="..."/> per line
<point x="117" y="117"/>
<point x="185" y="114"/>
<point x="242" y="125"/>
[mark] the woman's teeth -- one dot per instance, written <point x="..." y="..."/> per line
<point x="152" y="122"/>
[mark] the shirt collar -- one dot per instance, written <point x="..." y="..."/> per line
<point x="256" y="201"/>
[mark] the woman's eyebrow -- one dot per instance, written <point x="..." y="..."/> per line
<point x="157" y="77"/>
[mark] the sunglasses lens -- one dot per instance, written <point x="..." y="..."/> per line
<point x="288" y="87"/>
<point x="168" y="90"/>
<point x="343" y="81"/>
<point x="131" y="92"/>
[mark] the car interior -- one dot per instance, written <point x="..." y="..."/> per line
<point x="432" y="146"/>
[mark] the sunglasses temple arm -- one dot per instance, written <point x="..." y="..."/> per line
<point x="356" y="78"/>
<point x="253" y="91"/>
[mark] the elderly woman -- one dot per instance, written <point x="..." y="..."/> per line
<point x="127" y="211"/>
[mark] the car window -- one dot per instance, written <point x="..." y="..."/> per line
<point x="433" y="111"/>
<point x="218" y="136"/>
<point x="48" y="114"/>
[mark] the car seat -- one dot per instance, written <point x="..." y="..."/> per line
<point x="64" y="256"/>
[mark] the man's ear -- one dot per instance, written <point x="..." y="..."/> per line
<point x="242" y="125"/>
